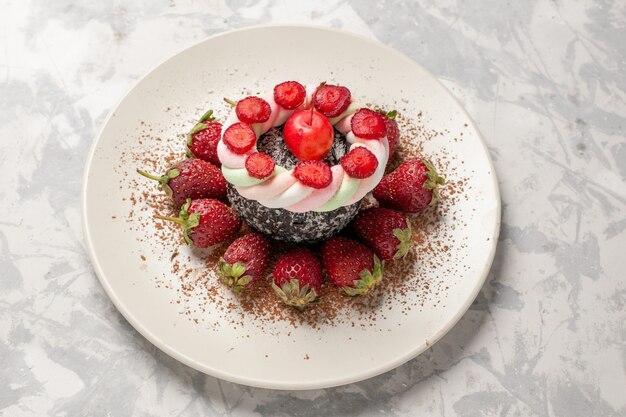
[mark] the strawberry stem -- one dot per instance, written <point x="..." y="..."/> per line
<point x="207" y="116"/>
<point x="150" y="176"/>
<point x="172" y="219"/>
<point x="231" y="102"/>
<point x="293" y="295"/>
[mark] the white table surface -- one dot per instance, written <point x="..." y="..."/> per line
<point x="545" y="82"/>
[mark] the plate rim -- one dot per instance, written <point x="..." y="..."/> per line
<point x="272" y="384"/>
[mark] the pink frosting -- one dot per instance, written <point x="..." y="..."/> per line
<point x="320" y="196"/>
<point x="310" y="91"/>
<point x="284" y="190"/>
<point x="367" y="184"/>
<point x="345" y="124"/>
<point x="229" y="158"/>
<point x="270" y="188"/>
<point x="291" y="195"/>
<point x="282" y="115"/>
<point x="270" y="122"/>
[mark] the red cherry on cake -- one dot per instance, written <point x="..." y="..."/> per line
<point x="308" y="135"/>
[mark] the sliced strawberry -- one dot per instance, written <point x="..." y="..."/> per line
<point x="239" y="138"/>
<point x="332" y="100"/>
<point x="289" y="94"/>
<point x="360" y="162"/>
<point x="260" y="165"/>
<point x="368" y="124"/>
<point x="253" y="110"/>
<point x="316" y="174"/>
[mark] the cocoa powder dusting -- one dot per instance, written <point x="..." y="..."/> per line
<point x="193" y="280"/>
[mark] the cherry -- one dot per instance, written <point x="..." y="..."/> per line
<point x="308" y="135"/>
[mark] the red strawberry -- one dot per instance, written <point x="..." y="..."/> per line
<point x="259" y="165"/>
<point x="239" y="138"/>
<point x="253" y="110"/>
<point x="412" y="187"/>
<point x="191" y="178"/>
<point x="386" y="231"/>
<point x="351" y="265"/>
<point x="360" y="162"/>
<point x="289" y="94"/>
<point x="368" y="124"/>
<point x="316" y="174"/>
<point x="331" y="100"/>
<point x="393" y="133"/>
<point x="203" y="138"/>
<point x="298" y="278"/>
<point x="244" y="261"/>
<point x="206" y="222"/>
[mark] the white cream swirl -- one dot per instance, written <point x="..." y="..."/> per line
<point x="282" y="189"/>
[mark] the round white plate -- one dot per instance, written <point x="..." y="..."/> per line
<point x="278" y="356"/>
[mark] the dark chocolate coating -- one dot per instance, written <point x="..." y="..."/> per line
<point x="285" y="225"/>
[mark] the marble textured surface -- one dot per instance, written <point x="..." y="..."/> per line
<point x="545" y="81"/>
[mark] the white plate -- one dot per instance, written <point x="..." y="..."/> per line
<point x="269" y="355"/>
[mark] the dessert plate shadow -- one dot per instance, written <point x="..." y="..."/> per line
<point x="129" y="262"/>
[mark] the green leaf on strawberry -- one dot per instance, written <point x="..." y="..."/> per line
<point x="233" y="275"/>
<point x="293" y="295"/>
<point x="433" y="182"/>
<point x="405" y="236"/>
<point x="369" y="279"/>
<point x="207" y="116"/>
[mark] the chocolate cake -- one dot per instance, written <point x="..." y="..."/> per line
<point x="283" y="224"/>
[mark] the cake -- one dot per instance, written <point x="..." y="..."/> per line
<point x="280" y="204"/>
<point x="295" y="165"/>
